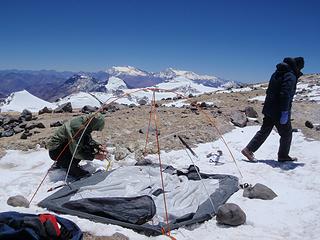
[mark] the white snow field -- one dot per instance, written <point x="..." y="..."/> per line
<point x="18" y="101"/>
<point x="294" y="214"/>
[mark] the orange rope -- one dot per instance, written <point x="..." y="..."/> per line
<point x="221" y="137"/>
<point x="160" y="165"/>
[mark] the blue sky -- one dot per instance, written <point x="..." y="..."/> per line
<point x="240" y="40"/>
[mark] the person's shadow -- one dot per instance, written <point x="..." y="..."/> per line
<point x="282" y="165"/>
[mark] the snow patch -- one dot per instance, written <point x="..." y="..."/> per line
<point x="18" y="101"/>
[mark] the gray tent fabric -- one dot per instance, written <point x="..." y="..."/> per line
<point x="132" y="197"/>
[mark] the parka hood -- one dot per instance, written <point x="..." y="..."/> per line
<point x="97" y="122"/>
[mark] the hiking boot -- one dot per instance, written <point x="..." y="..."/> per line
<point x="287" y="159"/>
<point x="248" y="154"/>
<point x="78" y="172"/>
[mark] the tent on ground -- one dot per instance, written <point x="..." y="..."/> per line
<point x="133" y="197"/>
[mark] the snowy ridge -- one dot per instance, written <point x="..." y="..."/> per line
<point x="126" y="70"/>
<point x="18" y="101"/>
<point x="171" y="73"/>
<point x="115" y="84"/>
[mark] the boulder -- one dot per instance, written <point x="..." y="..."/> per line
<point x="22" y="125"/>
<point x="9" y="120"/>
<point x="56" y="124"/>
<point x="1" y="119"/>
<point x="259" y="191"/>
<point x="112" y="107"/>
<point x="239" y="119"/>
<point x="67" y="107"/>
<point x="45" y="110"/>
<point x="120" y="153"/>
<point x="250" y="112"/>
<point x="40" y="125"/>
<point x="25" y="135"/>
<point x="89" y="109"/>
<point x="30" y="126"/>
<point x="18" y="130"/>
<point x="308" y="124"/>
<point x="203" y="105"/>
<point x="18" y="201"/>
<point x="7" y="133"/>
<point x="26" y="115"/>
<point x="142" y="102"/>
<point x="230" y="214"/>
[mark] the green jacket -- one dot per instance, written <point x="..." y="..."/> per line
<point x="87" y="146"/>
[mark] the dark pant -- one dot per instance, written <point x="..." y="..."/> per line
<point x="284" y="130"/>
<point x="63" y="156"/>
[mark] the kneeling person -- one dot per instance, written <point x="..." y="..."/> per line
<point x="63" y="144"/>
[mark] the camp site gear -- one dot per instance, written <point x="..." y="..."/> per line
<point x="14" y="225"/>
<point x="136" y="202"/>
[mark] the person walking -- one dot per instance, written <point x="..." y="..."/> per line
<point x="277" y="109"/>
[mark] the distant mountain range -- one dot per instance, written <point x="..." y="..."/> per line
<point x="51" y="85"/>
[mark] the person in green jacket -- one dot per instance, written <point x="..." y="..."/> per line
<point x="65" y="143"/>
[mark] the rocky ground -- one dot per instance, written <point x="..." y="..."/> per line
<point x="125" y="128"/>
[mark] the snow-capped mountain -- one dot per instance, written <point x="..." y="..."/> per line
<point x="134" y="77"/>
<point x="115" y="84"/>
<point x="126" y="70"/>
<point x="206" y="80"/>
<point x="80" y="82"/>
<point x="18" y="101"/>
<point x="120" y="79"/>
<point x="171" y="73"/>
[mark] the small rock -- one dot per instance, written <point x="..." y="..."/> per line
<point x="120" y="153"/>
<point x="142" y="102"/>
<point x="7" y="133"/>
<point x="259" y="191"/>
<point x="144" y="162"/>
<point x="230" y="214"/>
<point x="67" y="107"/>
<point x="26" y="115"/>
<point x="89" y="109"/>
<point x="239" y="119"/>
<point x="318" y="128"/>
<point x="45" y="110"/>
<point x="119" y="236"/>
<point x="18" y="201"/>
<point x="18" y="130"/>
<point x="40" y="125"/>
<point x="308" y="124"/>
<point x="25" y="135"/>
<point x="203" y="104"/>
<point x="250" y="112"/>
<point x="56" y="124"/>
<point x="23" y="125"/>
<point x="139" y="155"/>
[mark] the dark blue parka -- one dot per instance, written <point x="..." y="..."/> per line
<point x="281" y="89"/>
